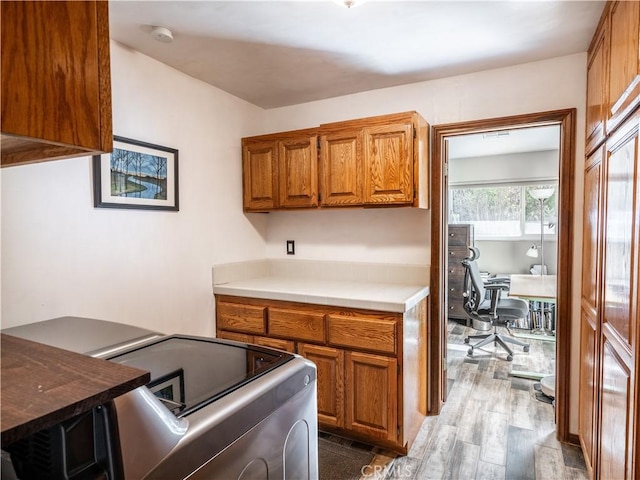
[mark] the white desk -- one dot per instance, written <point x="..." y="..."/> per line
<point x="534" y="287"/>
<point x="541" y="288"/>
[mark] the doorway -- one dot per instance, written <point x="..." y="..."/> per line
<point x="565" y="119"/>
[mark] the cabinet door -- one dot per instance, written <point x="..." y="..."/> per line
<point x="591" y="234"/>
<point x="615" y="460"/>
<point x="596" y="87"/>
<point x="589" y="351"/>
<point x="298" y="172"/>
<point x="388" y="164"/>
<point x="56" y="80"/>
<point x="341" y="169"/>
<point x="624" y="66"/>
<point x="371" y="384"/>
<point x="330" y="369"/>
<point x="620" y="248"/>
<point x="260" y="175"/>
<point x="590" y="326"/>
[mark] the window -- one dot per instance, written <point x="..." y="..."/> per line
<point x="503" y="211"/>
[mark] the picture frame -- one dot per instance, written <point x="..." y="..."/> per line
<point x="169" y="389"/>
<point x="136" y="175"/>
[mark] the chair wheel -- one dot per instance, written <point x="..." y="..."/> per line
<point x="470" y="351"/>
<point x="466" y="340"/>
<point x="526" y="349"/>
<point x="509" y="358"/>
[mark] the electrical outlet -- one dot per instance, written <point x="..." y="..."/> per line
<point x="291" y="247"/>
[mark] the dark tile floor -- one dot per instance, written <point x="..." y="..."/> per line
<point x="493" y="426"/>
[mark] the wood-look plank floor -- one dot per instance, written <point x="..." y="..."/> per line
<point x="492" y="426"/>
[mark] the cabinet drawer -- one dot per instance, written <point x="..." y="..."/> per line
<point x="296" y="324"/>
<point x="286" y="345"/>
<point x="458" y="235"/>
<point x="375" y="334"/>
<point x="456" y="309"/>
<point x="241" y="318"/>
<point x="238" y="337"/>
<point x="455" y="254"/>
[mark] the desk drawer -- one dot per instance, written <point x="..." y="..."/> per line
<point x="459" y="235"/>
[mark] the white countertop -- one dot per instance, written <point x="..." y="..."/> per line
<point x="386" y="297"/>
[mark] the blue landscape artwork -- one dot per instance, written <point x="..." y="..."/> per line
<point x="138" y="175"/>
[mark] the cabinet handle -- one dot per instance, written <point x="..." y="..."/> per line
<point x="451" y="271"/>
<point x="452" y="234"/>
<point x="451" y="253"/>
<point x="451" y="308"/>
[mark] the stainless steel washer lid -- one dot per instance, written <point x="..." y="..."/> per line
<point x="188" y="373"/>
<point x="83" y="335"/>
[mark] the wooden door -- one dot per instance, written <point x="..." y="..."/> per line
<point x="619" y="303"/>
<point x="388" y="164"/>
<point x="371" y="384"/>
<point x="597" y="69"/>
<point x="615" y="457"/>
<point x="590" y="324"/>
<point x="260" y="175"/>
<point x="624" y="71"/>
<point x="298" y="172"/>
<point x="330" y="384"/>
<point x="620" y="244"/>
<point x="341" y="170"/>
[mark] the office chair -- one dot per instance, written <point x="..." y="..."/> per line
<point x="492" y="309"/>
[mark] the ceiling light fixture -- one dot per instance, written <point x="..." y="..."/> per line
<point x="349" y="3"/>
<point x="162" y="34"/>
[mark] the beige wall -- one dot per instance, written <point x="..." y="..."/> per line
<point x="61" y="256"/>
<point x="553" y="84"/>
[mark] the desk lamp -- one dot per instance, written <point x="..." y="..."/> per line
<point x="540" y="194"/>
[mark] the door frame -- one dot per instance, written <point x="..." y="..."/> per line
<point x="566" y="119"/>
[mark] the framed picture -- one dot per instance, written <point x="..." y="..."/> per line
<point x="170" y="390"/>
<point x="136" y="175"/>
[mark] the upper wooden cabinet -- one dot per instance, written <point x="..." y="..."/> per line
<point x="56" y="83"/>
<point x="375" y="161"/>
<point x="280" y="171"/>
<point x="624" y="52"/>
<point x="598" y="63"/>
<point x="341" y="168"/>
<point x="613" y="71"/>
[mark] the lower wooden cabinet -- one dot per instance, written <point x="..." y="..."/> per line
<point x="371" y="379"/>
<point x="371" y="395"/>
<point x="616" y="441"/>
<point x="330" y="369"/>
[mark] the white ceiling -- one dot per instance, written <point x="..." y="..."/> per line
<point x="277" y="53"/>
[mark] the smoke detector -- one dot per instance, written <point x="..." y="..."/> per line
<point x="162" y="34"/>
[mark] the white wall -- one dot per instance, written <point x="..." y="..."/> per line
<point x="61" y="256"/>
<point x="528" y="166"/>
<point x="553" y="84"/>
<point x="500" y="256"/>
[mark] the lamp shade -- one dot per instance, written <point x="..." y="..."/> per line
<point x="541" y="193"/>
<point x="533" y="251"/>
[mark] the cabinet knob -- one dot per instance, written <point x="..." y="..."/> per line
<point x="451" y="308"/>
<point x="451" y="234"/>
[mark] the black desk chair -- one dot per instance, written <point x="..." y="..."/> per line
<point x="493" y="309"/>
